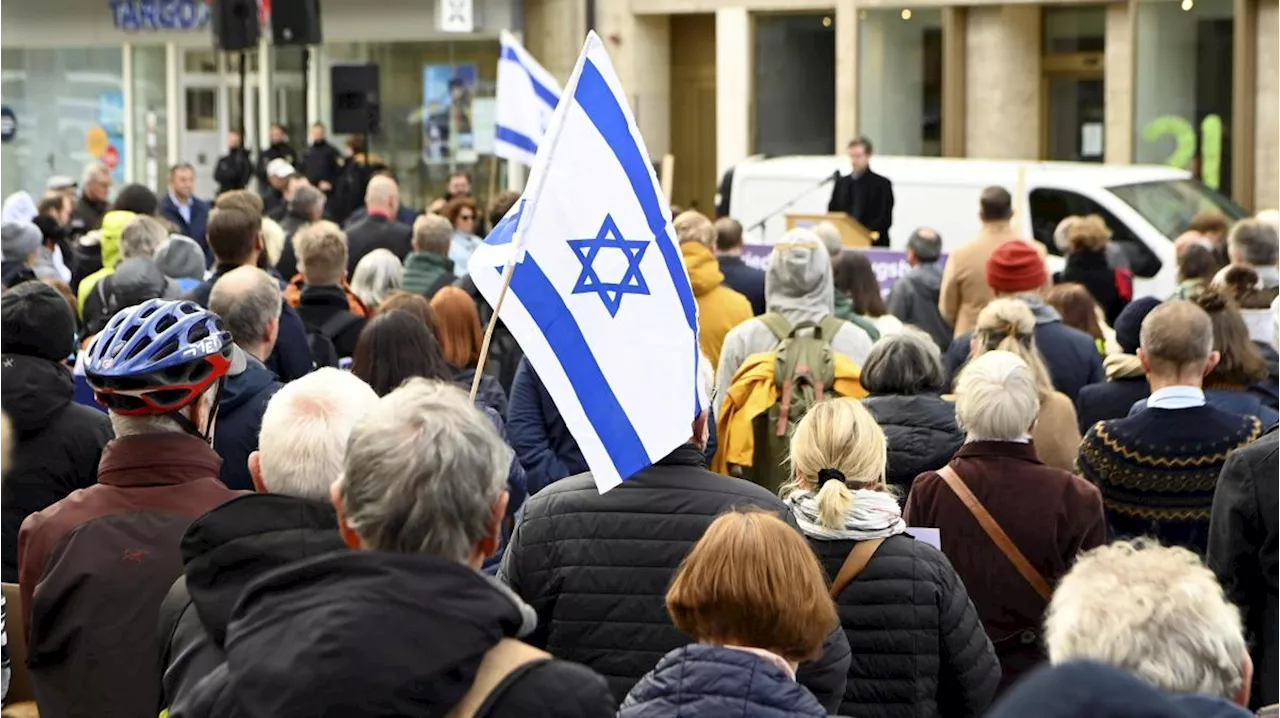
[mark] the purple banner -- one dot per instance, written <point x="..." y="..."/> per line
<point x="889" y="264"/>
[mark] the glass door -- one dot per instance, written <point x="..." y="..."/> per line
<point x="1073" y="94"/>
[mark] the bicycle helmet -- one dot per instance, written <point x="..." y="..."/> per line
<point x="157" y="357"/>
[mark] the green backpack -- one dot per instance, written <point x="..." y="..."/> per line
<point x="804" y="374"/>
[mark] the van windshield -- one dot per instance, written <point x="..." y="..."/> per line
<point x="1169" y="205"/>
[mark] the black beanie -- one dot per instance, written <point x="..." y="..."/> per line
<point x="1128" y="325"/>
<point x="35" y="320"/>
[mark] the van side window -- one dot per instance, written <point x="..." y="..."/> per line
<point x="1051" y="206"/>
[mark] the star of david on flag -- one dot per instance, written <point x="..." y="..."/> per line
<point x="632" y="281"/>
<point x="598" y="298"/>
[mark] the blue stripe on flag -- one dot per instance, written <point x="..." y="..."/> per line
<point x="511" y="137"/>
<point x="599" y="403"/>
<point x="544" y="93"/>
<point x="601" y="107"/>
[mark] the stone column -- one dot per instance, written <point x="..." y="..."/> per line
<point x="1002" y="82"/>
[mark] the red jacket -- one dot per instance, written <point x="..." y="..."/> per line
<point x="1051" y="515"/>
<point x="95" y="566"/>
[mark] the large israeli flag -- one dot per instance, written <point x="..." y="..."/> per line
<point x="527" y="97"/>
<point x="599" y="299"/>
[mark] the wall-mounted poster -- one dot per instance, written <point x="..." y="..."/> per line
<point x="448" y="131"/>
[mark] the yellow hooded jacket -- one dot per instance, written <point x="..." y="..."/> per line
<point x="113" y="224"/>
<point x="719" y="307"/>
<point x="751" y="393"/>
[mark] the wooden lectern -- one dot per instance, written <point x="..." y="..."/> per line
<point x="852" y="232"/>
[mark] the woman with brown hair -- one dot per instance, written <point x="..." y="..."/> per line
<point x="1008" y="325"/>
<point x="464" y="215"/>
<point x="896" y="597"/>
<point x="1079" y="310"/>
<point x="1087" y="264"/>
<point x="460" y="335"/>
<point x="858" y="292"/>
<point x="415" y="304"/>
<point x="1236" y="382"/>
<point x="753" y="597"/>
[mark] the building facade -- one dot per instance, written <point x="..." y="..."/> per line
<point x="1191" y="83"/>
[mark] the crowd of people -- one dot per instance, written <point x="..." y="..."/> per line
<point x="243" y="476"/>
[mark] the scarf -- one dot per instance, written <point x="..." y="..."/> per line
<point x="873" y="515"/>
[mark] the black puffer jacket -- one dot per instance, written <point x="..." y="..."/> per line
<point x="918" y="646"/>
<point x="58" y="444"/>
<point x="596" y="567"/>
<point x="921" y="432"/>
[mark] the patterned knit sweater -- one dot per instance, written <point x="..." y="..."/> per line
<point x="1157" y="469"/>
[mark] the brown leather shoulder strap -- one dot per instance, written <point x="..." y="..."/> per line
<point x="501" y="660"/>
<point x="857" y="560"/>
<point x="995" y="533"/>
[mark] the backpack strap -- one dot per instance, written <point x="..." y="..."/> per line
<point x="829" y="327"/>
<point x="780" y="327"/>
<point x="995" y="533"/>
<point x="337" y="324"/>
<point x="504" y="659"/>
<point x="857" y="560"/>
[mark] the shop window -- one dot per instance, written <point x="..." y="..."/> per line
<point x="795" y="81"/>
<point x="900" y="80"/>
<point x="1182" y="102"/>
<point x="150" y="119"/>
<point x="1051" y="206"/>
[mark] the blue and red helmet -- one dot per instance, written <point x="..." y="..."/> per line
<point x="157" y="357"/>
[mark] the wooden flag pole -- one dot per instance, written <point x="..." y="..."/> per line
<point x="488" y="331"/>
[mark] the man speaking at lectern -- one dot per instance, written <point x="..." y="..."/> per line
<point x="863" y="194"/>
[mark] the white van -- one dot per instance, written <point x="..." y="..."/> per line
<point x="1145" y="206"/>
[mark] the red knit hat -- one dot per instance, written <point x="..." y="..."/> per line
<point x="1014" y="267"/>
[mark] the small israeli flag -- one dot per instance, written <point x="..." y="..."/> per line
<point x="599" y="299"/>
<point x="527" y="96"/>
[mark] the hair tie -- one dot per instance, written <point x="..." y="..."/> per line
<point x="825" y="475"/>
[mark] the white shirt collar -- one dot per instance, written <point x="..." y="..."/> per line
<point x="1176" y="397"/>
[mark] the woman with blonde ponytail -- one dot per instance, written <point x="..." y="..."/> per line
<point x="918" y="645"/>
<point x="1008" y="325"/>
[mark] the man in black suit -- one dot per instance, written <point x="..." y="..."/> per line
<point x="379" y="229"/>
<point x="864" y="195"/>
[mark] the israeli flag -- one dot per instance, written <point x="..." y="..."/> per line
<point x="527" y="97"/>
<point x="599" y="299"/>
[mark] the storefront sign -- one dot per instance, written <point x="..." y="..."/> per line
<point x="8" y="124"/>
<point x="889" y="264"/>
<point x="456" y="15"/>
<point x="133" y="15"/>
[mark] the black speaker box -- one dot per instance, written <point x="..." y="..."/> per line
<point x="356" y="106"/>
<point x="295" y="22"/>
<point x="235" y="24"/>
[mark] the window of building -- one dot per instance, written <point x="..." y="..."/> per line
<point x="1050" y="206"/>
<point x="1182" y="103"/>
<point x="436" y="112"/>
<point x="69" y="109"/>
<point x="795" y="84"/>
<point x="1073" y="99"/>
<point x="900" y="80"/>
<point x="150" y="120"/>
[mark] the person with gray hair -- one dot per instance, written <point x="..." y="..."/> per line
<point x="307" y="206"/>
<point x="428" y="269"/>
<point x="1049" y="515"/>
<point x="377" y="276"/>
<point x="408" y="621"/>
<point x="248" y="300"/>
<point x="95" y="188"/>
<point x="1254" y="243"/>
<point x="914" y="297"/>
<point x="1156" y="612"/>
<point x="904" y="378"/>
<point x="136" y="278"/>
<point x="301" y="451"/>
<point x="799" y="287"/>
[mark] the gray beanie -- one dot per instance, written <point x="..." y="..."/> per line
<point x="19" y="239"/>
<point x="181" y="258"/>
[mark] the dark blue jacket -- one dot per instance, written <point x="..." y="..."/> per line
<point x="539" y="436"/>
<point x="745" y="280"/>
<point x="517" y="490"/>
<point x="244" y="398"/>
<point x="1233" y="402"/>
<point x="196" y="229"/>
<point x="291" y="359"/>
<point x="1070" y="354"/>
<point x="717" y="682"/>
<point x="1109" y="400"/>
<point x="490" y="393"/>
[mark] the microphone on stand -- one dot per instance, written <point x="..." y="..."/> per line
<point x="835" y="175"/>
